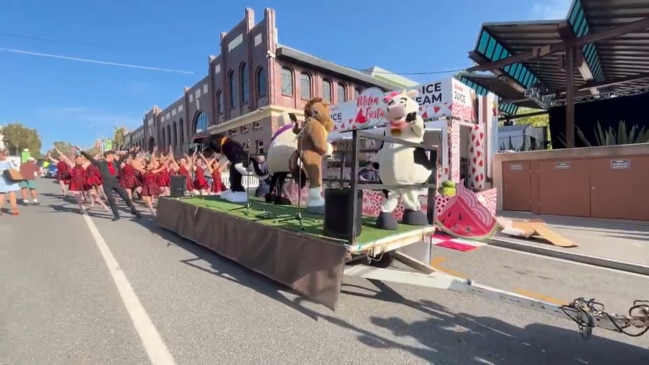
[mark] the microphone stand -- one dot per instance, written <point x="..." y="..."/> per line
<point x="246" y="206"/>
<point x="298" y="179"/>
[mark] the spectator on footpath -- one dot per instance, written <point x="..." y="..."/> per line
<point x="264" y="185"/>
<point x="8" y="187"/>
<point x="29" y="170"/>
<point x="368" y="174"/>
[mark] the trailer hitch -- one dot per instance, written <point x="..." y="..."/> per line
<point x="589" y="314"/>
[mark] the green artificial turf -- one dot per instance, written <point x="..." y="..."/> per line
<point x="281" y="213"/>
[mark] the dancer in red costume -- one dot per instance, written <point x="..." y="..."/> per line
<point x="150" y="189"/>
<point x="200" y="182"/>
<point x="62" y="172"/>
<point x="94" y="179"/>
<point x="184" y="168"/>
<point x="164" y="175"/>
<point x="127" y="179"/>
<point x="216" y="169"/>
<point x="79" y="182"/>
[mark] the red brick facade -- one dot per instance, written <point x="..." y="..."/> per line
<point x="247" y="58"/>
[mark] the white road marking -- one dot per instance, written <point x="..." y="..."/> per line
<point x="567" y="261"/>
<point x="153" y="344"/>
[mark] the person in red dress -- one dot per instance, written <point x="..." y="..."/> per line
<point x="95" y="180"/>
<point x="62" y="172"/>
<point x="215" y="168"/>
<point x="200" y="182"/>
<point x="127" y="178"/>
<point x="150" y="189"/>
<point x="184" y="168"/>
<point x="164" y="175"/>
<point x="79" y="181"/>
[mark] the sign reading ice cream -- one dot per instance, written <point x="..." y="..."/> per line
<point x="436" y="100"/>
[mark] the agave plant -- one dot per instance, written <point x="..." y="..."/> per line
<point x="611" y="137"/>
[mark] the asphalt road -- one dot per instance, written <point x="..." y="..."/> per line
<point x="60" y="304"/>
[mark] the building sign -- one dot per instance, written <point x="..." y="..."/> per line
<point x="620" y="164"/>
<point x="435" y="100"/>
<point x="562" y="166"/>
<point x="516" y="167"/>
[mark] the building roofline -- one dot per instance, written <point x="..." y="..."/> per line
<point x="295" y="55"/>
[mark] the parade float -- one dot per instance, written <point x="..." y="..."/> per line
<point x="292" y="246"/>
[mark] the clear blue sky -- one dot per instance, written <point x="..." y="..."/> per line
<point x="76" y="101"/>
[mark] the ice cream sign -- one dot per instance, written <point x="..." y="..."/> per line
<point x="435" y="99"/>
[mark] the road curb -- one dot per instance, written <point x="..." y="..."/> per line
<point x="570" y="256"/>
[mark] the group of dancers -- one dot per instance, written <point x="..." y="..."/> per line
<point x="134" y="175"/>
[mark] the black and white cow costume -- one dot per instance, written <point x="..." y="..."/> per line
<point x="402" y="165"/>
<point x="238" y="157"/>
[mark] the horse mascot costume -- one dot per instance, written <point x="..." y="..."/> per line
<point x="234" y="152"/>
<point x="403" y="165"/>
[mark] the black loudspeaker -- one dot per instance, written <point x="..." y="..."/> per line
<point x="337" y="215"/>
<point x="177" y="186"/>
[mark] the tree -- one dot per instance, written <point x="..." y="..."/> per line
<point x="64" y="147"/>
<point x="17" y="137"/>
<point x="542" y="120"/>
<point x="119" y="138"/>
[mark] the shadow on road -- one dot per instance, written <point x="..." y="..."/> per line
<point x="469" y="339"/>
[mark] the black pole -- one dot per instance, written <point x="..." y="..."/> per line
<point x="353" y="207"/>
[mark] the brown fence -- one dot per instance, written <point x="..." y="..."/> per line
<point x="599" y="182"/>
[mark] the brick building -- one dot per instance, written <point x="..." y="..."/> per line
<point x="248" y="86"/>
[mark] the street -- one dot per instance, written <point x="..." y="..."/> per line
<point x="92" y="291"/>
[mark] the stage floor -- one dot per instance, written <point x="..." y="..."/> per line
<point x="280" y="216"/>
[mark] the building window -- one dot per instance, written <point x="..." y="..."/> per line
<point x="233" y="93"/>
<point x="341" y="93"/>
<point x="244" y="129"/>
<point x="262" y="82"/>
<point x="219" y="102"/>
<point x="357" y="92"/>
<point x="260" y="146"/>
<point x="200" y="122"/>
<point x="256" y="125"/>
<point x="305" y="86"/>
<point x="245" y="90"/>
<point x="163" y="137"/>
<point x="168" y="137"/>
<point x="181" y="131"/>
<point x="233" y="132"/>
<point x="326" y="90"/>
<point x="287" y="81"/>
<point x="174" y="139"/>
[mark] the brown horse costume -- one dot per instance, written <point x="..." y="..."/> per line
<point x="313" y="143"/>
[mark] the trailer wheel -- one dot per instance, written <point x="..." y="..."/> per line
<point x="382" y="261"/>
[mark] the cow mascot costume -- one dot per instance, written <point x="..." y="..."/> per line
<point x="234" y="152"/>
<point x="403" y="165"/>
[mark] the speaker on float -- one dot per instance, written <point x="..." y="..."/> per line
<point x="177" y="186"/>
<point x="337" y="213"/>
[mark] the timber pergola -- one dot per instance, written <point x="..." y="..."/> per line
<point x="600" y="50"/>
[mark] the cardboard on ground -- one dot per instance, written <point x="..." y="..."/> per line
<point x="534" y="227"/>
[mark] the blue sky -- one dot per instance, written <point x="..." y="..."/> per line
<point x="76" y="101"/>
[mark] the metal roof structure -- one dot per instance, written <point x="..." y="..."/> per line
<point x="510" y="98"/>
<point x="611" y="40"/>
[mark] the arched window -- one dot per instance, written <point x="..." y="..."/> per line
<point x="163" y="136"/>
<point x="287" y="81"/>
<point x="174" y="139"/>
<point x="181" y="132"/>
<point x="220" y="103"/>
<point x="305" y="86"/>
<point x="200" y="122"/>
<point x="357" y="92"/>
<point x="341" y="93"/>
<point x="326" y="90"/>
<point x="233" y="93"/>
<point x="262" y="82"/>
<point x="168" y="138"/>
<point x="151" y="144"/>
<point x="245" y="83"/>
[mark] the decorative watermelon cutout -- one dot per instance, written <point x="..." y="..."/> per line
<point x="360" y="118"/>
<point x="465" y="217"/>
